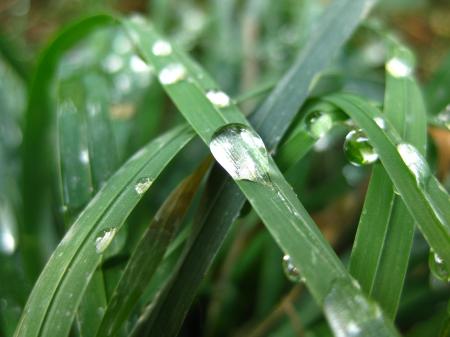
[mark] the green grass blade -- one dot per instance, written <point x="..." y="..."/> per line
<point x="34" y="149"/>
<point x="235" y="145"/>
<point x="425" y="198"/>
<point x="75" y="173"/>
<point x="148" y="254"/>
<point x="385" y="231"/>
<point x="56" y="295"/>
<point x="405" y="108"/>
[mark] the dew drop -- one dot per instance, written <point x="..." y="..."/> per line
<point x="84" y="156"/>
<point x="290" y="270"/>
<point x="358" y="150"/>
<point x="443" y="117"/>
<point x="142" y="185"/>
<point x="161" y="48"/>
<point x="218" y="98"/>
<point x="380" y="122"/>
<point x="138" y="65"/>
<point x="438" y="267"/>
<point x="318" y="123"/>
<point x="415" y="162"/>
<point x="241" y="152"/>
<point x="172" y="73"/>
<point x="104" y="239"/>
<point x="8" y="243"/>
<point x="398" y="67"/>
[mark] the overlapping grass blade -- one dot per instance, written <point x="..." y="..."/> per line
<point x="148" y="253"/>
<point x="425" y="198"/>
<point x="34" y="149"/>
<point x="385" y="231"/>
<point x="56" y="295"/>
<point x="234" y="143"/>
<point x="226" y="199"/>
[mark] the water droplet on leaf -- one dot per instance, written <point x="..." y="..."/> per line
<point x="142" y="185"/>
<point x="104" y="239"/>
<point x="318" y="123"/>
<point x="241" y="152"/>
<point x="438" y="267"/>
<point x="415" y="162"/>
<point x="290" y="270"/>
<point x="172" y="74"/>
<point x="380" y="122"/>
<point x="399" y="67"/>
<point x="218" y="98"/>
<point x="161" y="48"/>
<point x="358" y="150"/>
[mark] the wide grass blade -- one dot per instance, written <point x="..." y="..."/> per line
<point x="52" y="304"/>
<point x="241" y="152"/>
<point x="425" y="198"/>
<point x="148" y="253"/>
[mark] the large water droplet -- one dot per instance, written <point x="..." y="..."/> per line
<point x="218" y="98"/>
<point x="104" y="239"/>
<point x="241" y="152"/>
<point x="142" y="185"/>
<point x="318" y="123"/>
<point x="399" y="67"/>
<point x="358" y="150"/>
<point x="415" y="162"/>
<point x="161" y="48"/>
<point x="172" y="73"/>
<point x="290" y="270"/>
<point x="138" y="65"/>
<point x="351" y="314"/>
<point x="438" y="267"/>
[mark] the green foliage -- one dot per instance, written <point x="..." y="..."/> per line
<point x="117" y="220"/>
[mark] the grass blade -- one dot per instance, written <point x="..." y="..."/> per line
<point x="425" y="198"/>
<point x="66" y="275"/>
<point x="38" y="116"/>
<point x="149" y="252"/>
<point x="385" y="232"/>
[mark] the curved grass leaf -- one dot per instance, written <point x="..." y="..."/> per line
<point x="236" y="146"/>
<point x="52" y="304"/>
<point x="226" y="200"/>
<point x="148" y="253"/>
<point x="425" y="198"/>
<point x="34" y="149"/>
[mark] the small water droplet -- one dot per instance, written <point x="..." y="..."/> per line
<point x="142" y="185"/>
<point x="138" y="65"/>
<point x="290" y="270"/>
<point x="84" y="156"/>
<point x="415" y="162"/>
<point x="172" y="73"/>
<point x="161" y="48"/>
<point x="438" y="267"/>
<point x="104" y="239"/>
<point x="218" y="98"/>
<point x="241" y="152"/>
<point x="399" y="67"/>
<point x="358" y="150"/>
<point x="318" y="123"/>
<point x="113" y="63"/>
<point x="443" y="117"/>
<point x="380" y="122"/>
<point x="8" y="243"/>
